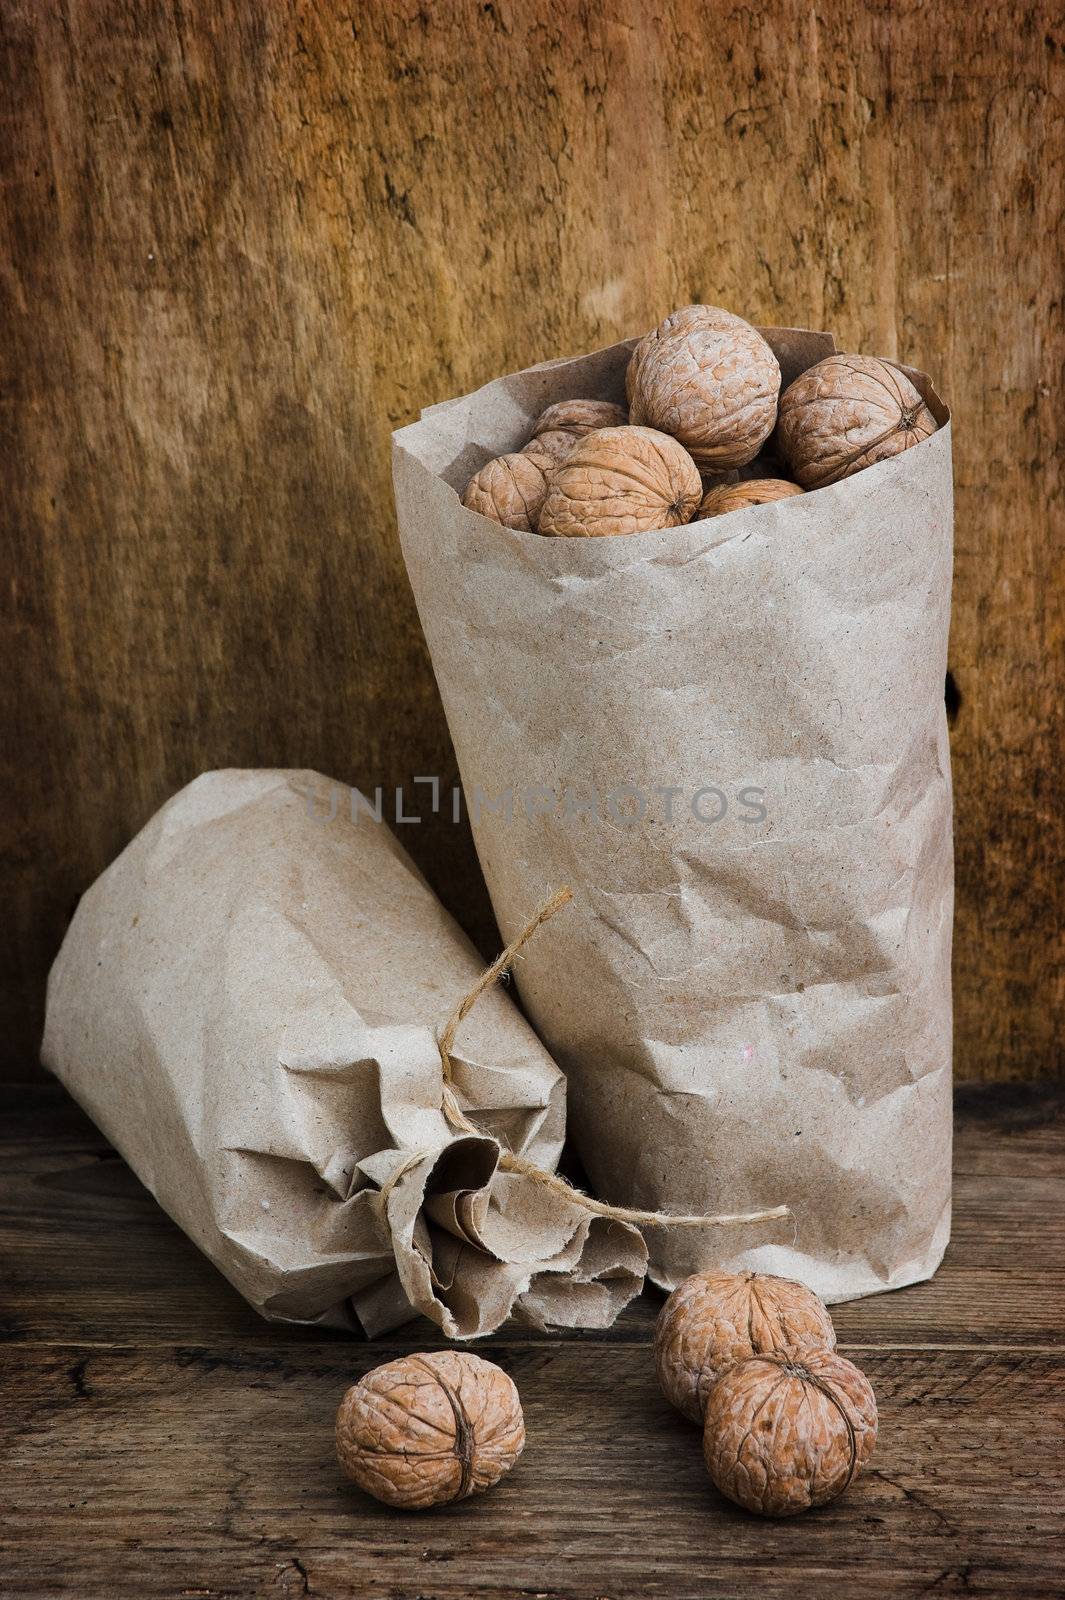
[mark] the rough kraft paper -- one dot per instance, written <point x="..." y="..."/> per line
<point x="730" y="740"/>
<point x="247" y="1003"/>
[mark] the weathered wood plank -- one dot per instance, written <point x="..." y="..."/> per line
<point x="156" y="1438"/>
<point x="210" y="1472"/>
<point x="242" y="242"/>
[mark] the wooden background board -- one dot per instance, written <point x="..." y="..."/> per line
<point x="242" y="242"/>
<point x="158" y="1439"/>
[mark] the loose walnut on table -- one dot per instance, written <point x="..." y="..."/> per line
<point x="714" y="1319"/>
<point x="428" y="1429"/>
<point x="785" y="1433"/>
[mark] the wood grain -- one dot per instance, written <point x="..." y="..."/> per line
<point x="201" y="1472"/>
<point x="157" y="1439"/>
<point x="243" y="242"/>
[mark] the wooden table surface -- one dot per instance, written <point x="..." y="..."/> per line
<point x="157" y="1438"/>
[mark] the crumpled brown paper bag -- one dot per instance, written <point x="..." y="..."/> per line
<point x="247" y="1004"/>
<point x="750" y="1007"/>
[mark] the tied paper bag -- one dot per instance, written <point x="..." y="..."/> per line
<point x="729" y="738"/>
<point x="247" y="1004"/>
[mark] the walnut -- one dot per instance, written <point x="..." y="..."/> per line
<point x="556" y="445"/>
<point x="724" y="497"/>
<point x="846" y="413"/>
<point x="621" y="480"/>
<point x="784" y="1433"/>
<point x="711" y="380"/>
<point x="559" y="427"/>
<point x="580" y="417"/>
<point x="510" y="489"/>
<point x="544" y="460"/>
<point x="714" y="1319"/>
<point x="676" y="322"/>
<point x="427" y="1429"/>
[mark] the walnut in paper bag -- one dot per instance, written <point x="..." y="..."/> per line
<point x="246" y="1003"/>
<point x="749" y="1005"/>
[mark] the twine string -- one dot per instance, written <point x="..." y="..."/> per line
<point x="509" y="1161"/>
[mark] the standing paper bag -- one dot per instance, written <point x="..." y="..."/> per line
<point x="730" y="739"/>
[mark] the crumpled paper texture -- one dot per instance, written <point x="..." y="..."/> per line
<point x="247" y="1004"/>
<point x="751" y="1010"/>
